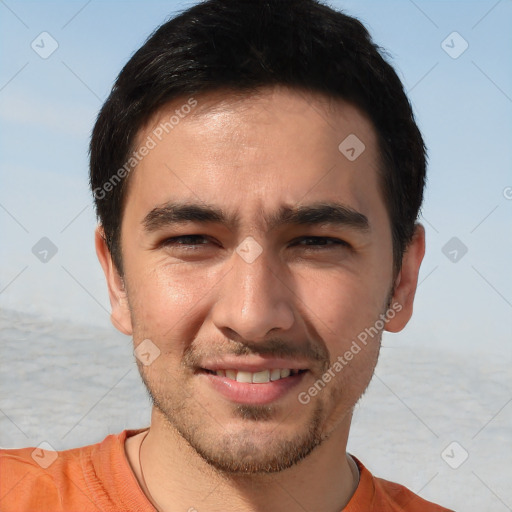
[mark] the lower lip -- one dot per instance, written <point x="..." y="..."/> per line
<point x="254" y="394"/>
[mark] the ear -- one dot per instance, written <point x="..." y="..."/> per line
<point x="407" y="280"/>
<point x="120" y="315"/>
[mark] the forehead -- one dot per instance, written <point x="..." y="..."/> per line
<point x="257" y="151"/>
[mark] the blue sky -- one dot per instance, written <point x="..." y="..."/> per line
<point x="463" y="107"/>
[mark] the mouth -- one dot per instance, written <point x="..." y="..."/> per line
<point x="253" y="384"/>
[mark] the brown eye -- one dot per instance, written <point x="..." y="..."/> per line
<point x="321" y="242"/>
<point x="186" y="241"/>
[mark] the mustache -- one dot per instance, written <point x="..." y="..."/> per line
<point x="274" y="347"/>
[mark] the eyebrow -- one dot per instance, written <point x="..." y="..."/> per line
<point x="336" y="214"/>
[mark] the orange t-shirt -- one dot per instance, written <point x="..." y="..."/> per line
<point x="98" y="478"/>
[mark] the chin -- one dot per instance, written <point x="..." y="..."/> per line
<point x="255" y="443"/>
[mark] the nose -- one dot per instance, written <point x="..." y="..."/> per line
<point x="254" y="299"/>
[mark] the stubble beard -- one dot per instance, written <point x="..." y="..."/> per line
<point x="239" y="453"/>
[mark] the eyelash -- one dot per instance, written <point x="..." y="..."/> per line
<point x="336" y="242"/>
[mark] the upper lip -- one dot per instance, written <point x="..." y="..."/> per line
<point x="253" y="364"/>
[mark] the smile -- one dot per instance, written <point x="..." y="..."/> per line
<point x="261" y="387"/>
<point x="260" y="377"/>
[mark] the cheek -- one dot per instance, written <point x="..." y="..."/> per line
<point x="157" y="298"/>
<point x="341" y="305"/>
<point x="168" y="300"/>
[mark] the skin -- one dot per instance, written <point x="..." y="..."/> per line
<point x="300" y="297"/>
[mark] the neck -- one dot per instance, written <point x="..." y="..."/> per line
<point x="175" y="477"/>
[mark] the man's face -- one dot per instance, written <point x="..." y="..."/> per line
<point x="278" y="283"/>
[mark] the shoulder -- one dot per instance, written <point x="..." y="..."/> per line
<point x="384" y="496"/>
<point x="397" y="495"/>
<point x="27" y="481"/>
<point x="38" y="479"/>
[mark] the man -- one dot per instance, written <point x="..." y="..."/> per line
<point x="257" y="174"/>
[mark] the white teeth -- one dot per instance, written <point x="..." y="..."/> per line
<point x="244" y="377"/>
<point x="261" y="377"/>
<point x="275" y="374"/>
